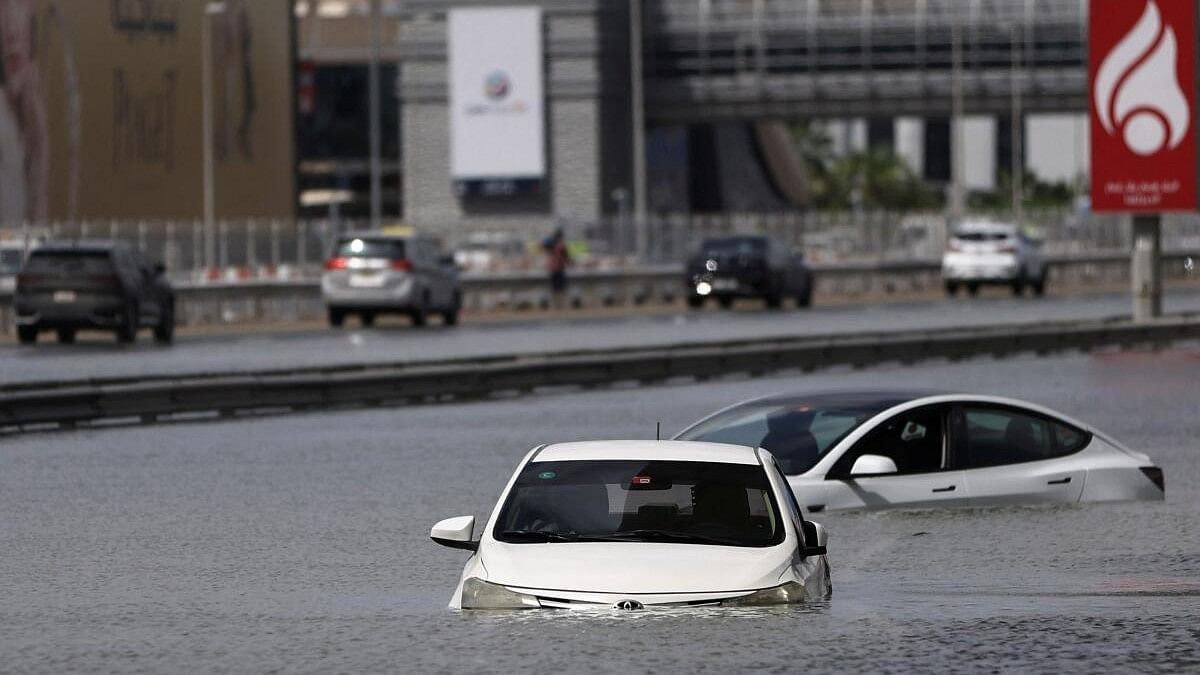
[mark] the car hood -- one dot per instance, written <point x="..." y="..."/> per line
<point x="634" y="567"/>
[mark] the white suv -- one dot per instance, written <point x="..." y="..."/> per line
<point x="983" y="252"/>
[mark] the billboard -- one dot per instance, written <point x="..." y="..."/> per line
<point x="100" y="109"/>
<point x="497" y="112"/>
<point x="1142" y="75"/>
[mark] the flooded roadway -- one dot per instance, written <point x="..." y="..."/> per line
<point x="300" y="544"/>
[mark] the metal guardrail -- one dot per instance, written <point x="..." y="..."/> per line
<point x="51" y="405"/>
<point x="216" y="302"/>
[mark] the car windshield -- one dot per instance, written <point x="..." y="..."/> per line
<point x="658" y="501"/>
<point x="365" y="247"/>
<point x="799" y="432"/>
<point x="733" y="246"/>
<point x="69" y="263"/>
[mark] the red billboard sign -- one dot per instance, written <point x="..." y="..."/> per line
<point x="1143" y="96"/>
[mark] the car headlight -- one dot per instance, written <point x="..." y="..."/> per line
<point x="787" y="594"/>
<point x="479" y="594"/>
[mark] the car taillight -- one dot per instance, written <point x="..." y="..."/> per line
<point x="1008" y="248"/>
<point x="402" y="265"/>
<point x="337" y="263"/>
<point x="26" y="279"/>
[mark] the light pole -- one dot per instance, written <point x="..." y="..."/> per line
<point x="957" y="161"/>
<point x="373" y="116"/>
<point x="1017" y="159"/>
<point x="211" y="10"/>
<point x="637" y="102"/>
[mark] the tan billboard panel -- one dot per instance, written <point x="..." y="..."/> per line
<point x="101" y="110"/>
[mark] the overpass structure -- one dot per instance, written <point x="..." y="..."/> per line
<point x="723" y="65"/>
<point x="750" y="59"/>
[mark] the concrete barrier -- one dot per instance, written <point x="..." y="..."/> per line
<point x="33" y="406"/>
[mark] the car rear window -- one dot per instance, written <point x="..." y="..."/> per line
<point x="734" y="246"/>
<point x="69" y="263"/>
<point x="982" y="236"/>
<point x="364" y="247"/>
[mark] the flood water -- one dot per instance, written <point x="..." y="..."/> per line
<point x="299" y="544"/>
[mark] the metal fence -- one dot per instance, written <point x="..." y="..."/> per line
<point x="294" y="249"/>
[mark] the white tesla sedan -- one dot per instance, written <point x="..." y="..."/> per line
<point x="875" y="450"/>
<point x="632" y="524"/>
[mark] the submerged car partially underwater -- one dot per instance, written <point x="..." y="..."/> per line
<point x="634" y="524"/>
<point x="876" y="450"/>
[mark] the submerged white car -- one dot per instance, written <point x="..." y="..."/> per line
<point x="875" y="450"/>
<point x="633" y="524"/>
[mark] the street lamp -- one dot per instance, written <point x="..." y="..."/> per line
<point x="211" y="10"/>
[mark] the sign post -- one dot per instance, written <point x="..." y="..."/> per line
<point x="1143" y="93"/>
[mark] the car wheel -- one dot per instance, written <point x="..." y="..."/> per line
<point x="951" y="289"/>
<point x="1018" y="286"/>
<point x="127" y="332"/>
<point x="695" y="301"/>
<point x="27" y="335"/>
<point x="774" y="300"/>
<point x="66" y="336"/>
<point x="973" y="289"/>
<point x="805" y="298"/>
<point x="164" y="331"/>
<point x="450" y="316"/>
<point x="367" y="319"/>
<point x="419" y="314"/>
<point x="1039" y="286"/>
<point x="336" y="317"/>
<point x="725" y="303"/>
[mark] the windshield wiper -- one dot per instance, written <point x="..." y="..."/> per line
<point x="666" y="535"/>
<point x="537" y="535"/>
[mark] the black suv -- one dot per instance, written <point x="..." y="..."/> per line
<point x="66" y="286"/>
<point x="747" y="266"/>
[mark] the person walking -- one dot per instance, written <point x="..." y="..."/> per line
<point x="558" y="258"/>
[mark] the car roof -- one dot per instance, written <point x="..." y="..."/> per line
<point x="881" y="398"/>
<point x="79" y="246"/>
<point x="681" y="451"/>
<point x="376" y="234"/>
<point x="985" y="226"/>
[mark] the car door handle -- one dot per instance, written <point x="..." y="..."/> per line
<point x="945" y="489"/>
<point x="1060" y="481"/>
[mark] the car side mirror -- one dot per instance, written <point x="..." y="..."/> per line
<point x="873" y="465"/>
<point x="455" y="533"/>
<point x="816" y="540"/>
<point x="159" y="269"/>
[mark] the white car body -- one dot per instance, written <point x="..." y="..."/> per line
<point x="852" y="472"/>
<point x="982" y="252"/>
<point x="634" y="574"/>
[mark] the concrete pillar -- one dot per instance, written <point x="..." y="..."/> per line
<point x="1004" y="146"/>
<point x="1146" y="267"/>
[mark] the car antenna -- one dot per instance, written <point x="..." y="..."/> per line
<point x="658" y="430"/>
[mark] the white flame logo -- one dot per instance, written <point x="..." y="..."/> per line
<point x="1136" y="92"/>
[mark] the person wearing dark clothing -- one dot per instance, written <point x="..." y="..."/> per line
<point x="557" y="261"/>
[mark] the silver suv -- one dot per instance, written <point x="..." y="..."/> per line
<point x="371" y="273"/>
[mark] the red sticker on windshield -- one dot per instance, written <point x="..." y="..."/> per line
<point x="641" y="480"/>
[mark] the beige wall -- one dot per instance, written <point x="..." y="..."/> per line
<point x="104" y="107"/>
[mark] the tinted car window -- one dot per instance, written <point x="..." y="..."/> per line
<point x="362" y="247"/>
<point x="997" y="436"/>
<point x="10" y="261"/>
<point x="731" y="246"/>
<point x="69" y="263"/>
<point x="914" y="440"/>
<point x="659" y="501"/>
